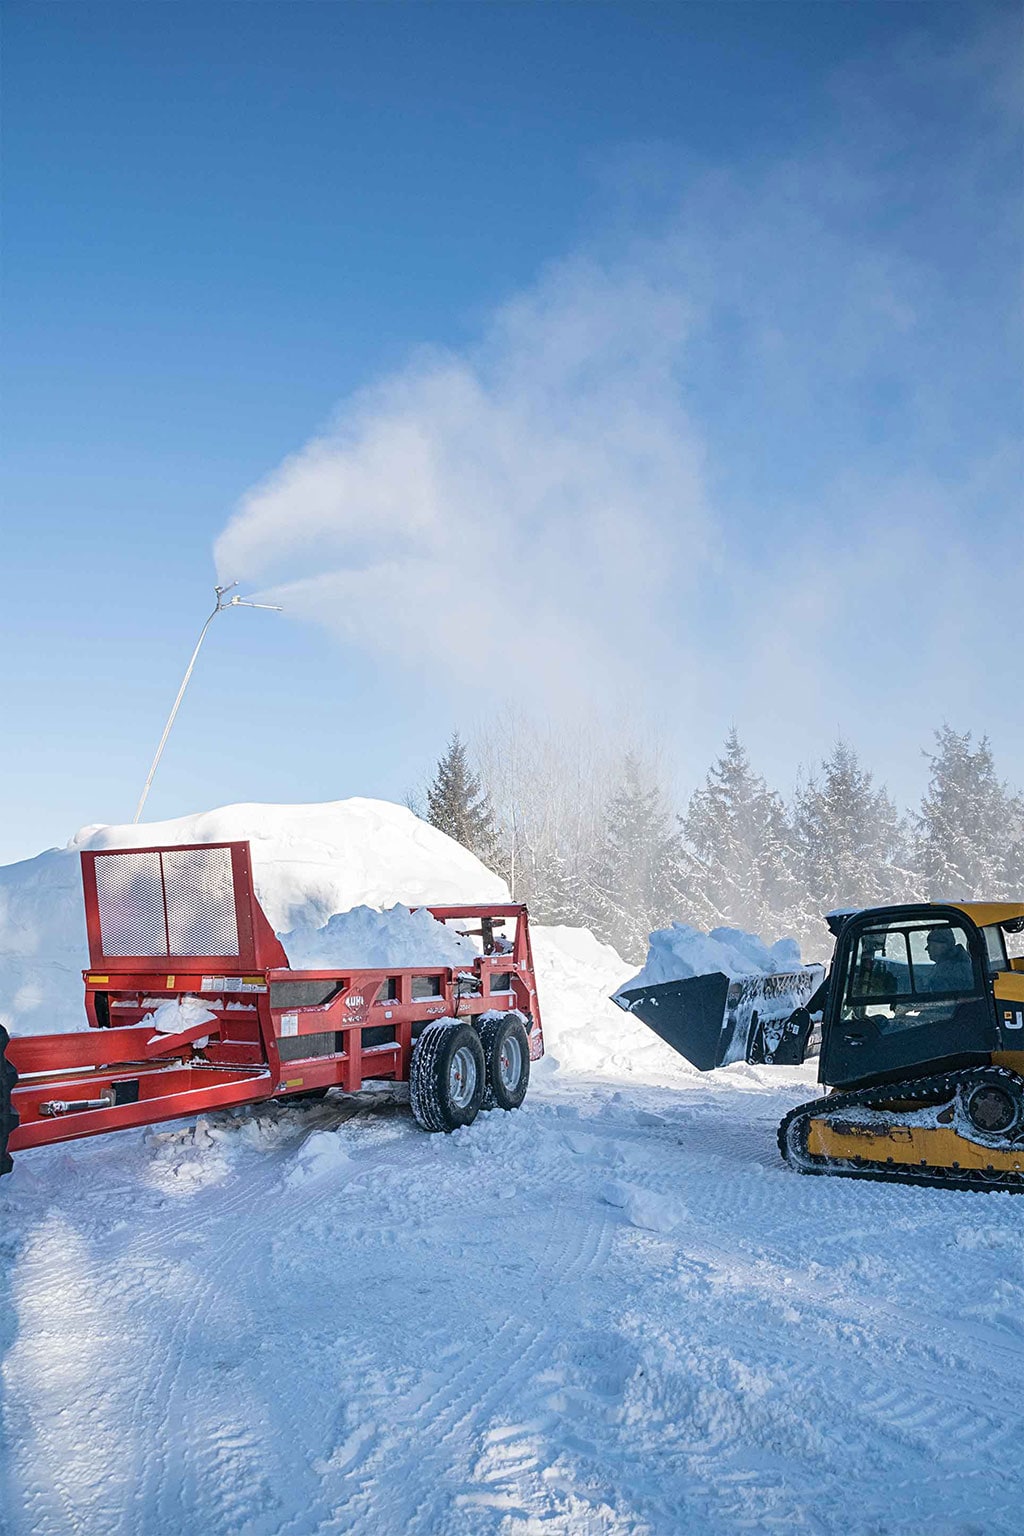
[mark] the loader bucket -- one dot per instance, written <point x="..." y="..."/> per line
<point x="715" y="1019"/>
<point x="8" y="1116"/>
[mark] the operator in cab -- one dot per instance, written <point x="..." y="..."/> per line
<point x="951" y="969"/>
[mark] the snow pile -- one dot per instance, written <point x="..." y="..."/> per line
<point x="365" y="938"/>
<point x="583" y="1029"/>
<point x="309" y="862"/>
<point x="680" y="951"/>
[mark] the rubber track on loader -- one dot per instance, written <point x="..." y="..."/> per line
<point x="940" y="1089"/>
<point x="8" y="1117"/>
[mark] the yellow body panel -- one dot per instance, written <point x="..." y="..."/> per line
<point x="985" y="912"/>
<point x="910" y="1146"/>
<point x="1009" y="986"/>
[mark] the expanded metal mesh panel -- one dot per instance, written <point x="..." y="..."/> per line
<point x="200" y="895"/>
<point x="175" y="903"/>
<point x="129" y="890"/>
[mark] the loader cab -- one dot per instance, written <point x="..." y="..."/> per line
<point x="910" y="992"/>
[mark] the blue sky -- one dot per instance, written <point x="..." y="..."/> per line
<point x="656" y="360"/>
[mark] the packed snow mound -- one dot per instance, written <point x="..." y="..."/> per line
<point x="364" y="938"/>
<point x="309" y="863"/>
<point x="680" y="951"/>
<point x="583" y="1029"/>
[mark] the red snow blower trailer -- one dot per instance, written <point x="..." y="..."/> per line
<point x="170" y="924"/>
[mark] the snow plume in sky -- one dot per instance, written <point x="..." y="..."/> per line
<point x="760" y="439"/>
<point x="544" y="491"/>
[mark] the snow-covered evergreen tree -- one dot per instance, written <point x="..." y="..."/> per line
<point x="549" y="783"/>
<point x="457" y="804"/>
<point x="737" y="832"/>
<point x="970" y="826"/>
<point x="850" y="847"/>
<point x="636" y="866"/>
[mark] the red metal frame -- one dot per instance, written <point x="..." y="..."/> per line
<point x="121" y="1073"/>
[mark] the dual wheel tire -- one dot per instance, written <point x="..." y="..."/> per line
<point x="457" y="1070"/>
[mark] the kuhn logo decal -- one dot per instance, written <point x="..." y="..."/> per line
<point x="355" y="1001"/>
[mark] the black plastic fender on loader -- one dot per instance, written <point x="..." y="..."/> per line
<point x="716" y="1019"/>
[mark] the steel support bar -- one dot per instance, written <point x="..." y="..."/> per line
<point x="30" y="1054"/>
<point x="201" y="1091"/>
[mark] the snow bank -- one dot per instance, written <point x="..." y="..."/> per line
<point x="680" y="951"/>
<point x="364" y="937"/>
<point x="309" y="862"/>
<point x="584" y="1031"/>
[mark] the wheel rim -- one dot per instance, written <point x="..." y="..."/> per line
<point x="462" y="1077"/>
<point x="992" y="1110"/>
<point x="510" y="1062"/>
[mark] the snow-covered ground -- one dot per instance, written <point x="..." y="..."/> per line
<point x="614" y="1311"/>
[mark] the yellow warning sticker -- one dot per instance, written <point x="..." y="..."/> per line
<point x="98" y="981"/>
<point x="170" y="981"/>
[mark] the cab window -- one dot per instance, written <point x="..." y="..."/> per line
<point x="910" y="974"/>
<point x="995" y="949"/>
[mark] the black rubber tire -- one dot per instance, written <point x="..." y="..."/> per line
<point x="430" y="1076"/>
<point x="8" y="1116"/>
<point x="494" y="1032"/>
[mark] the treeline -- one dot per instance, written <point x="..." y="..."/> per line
<point x="588" y="836"/>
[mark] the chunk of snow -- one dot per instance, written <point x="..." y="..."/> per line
<point x="179" y="1013"/>
<point x="321" y="1155"/>
<point x="645" y="1208"/>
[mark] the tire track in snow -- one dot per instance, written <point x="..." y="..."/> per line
<point x="411" y="1489"/>
<point x="693" y="1389"/>
<point x="301" y="1202"/>
<point x="158" y="1450"/>
<point x="941" y="1419"/>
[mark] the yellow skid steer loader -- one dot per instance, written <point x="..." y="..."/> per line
<point x="922" y="1045"/>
